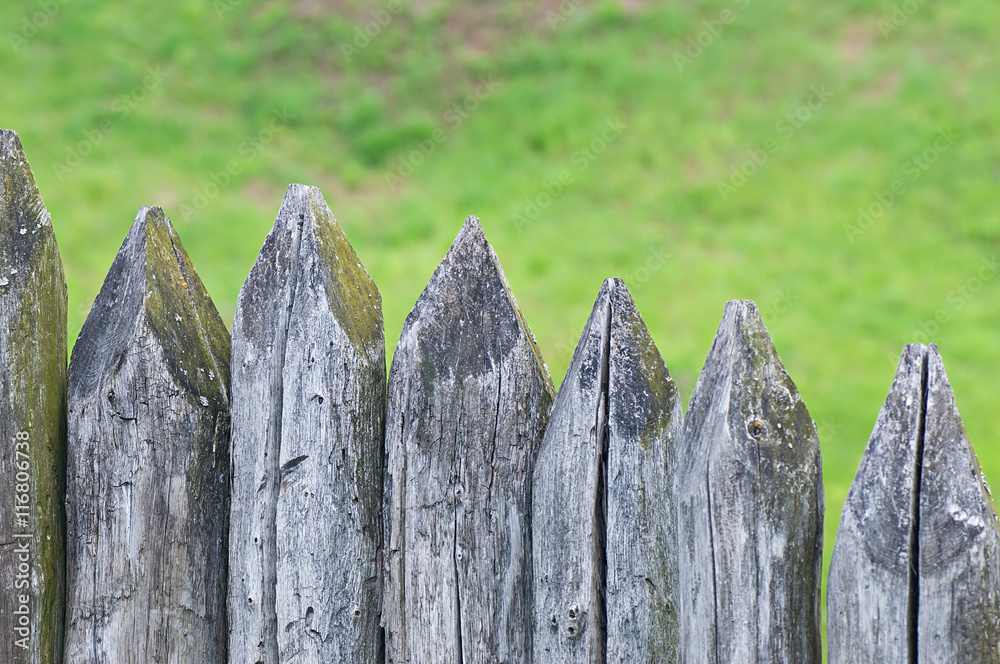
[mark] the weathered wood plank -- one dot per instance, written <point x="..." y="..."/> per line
<point x="751" y="507"/>
<point x="958" y="607"/>
<point x="645" y="422"/>
<point x="603" y="513"/>
<point x="32" y="418"/>
<point x="569" y="506"/>
<point x="469" y="397"/>
<point x="308" y="395"/>
<point x="915" y="575"/>
<point x="870" y="592"/>
<point x="148" y="466"/>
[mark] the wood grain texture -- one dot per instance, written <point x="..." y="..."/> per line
<point x="958" y="608"/>
<point x="751" y="507"/>
<point x="148" y="467"/>
<point x="915" y="575"/>
<point x="308" y="395"/>
<point x="870" y="591"/>
<point x="469" y="397"/>
<point x="32" y="418"/>
<point x="603" y="513"/>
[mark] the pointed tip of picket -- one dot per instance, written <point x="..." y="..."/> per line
<point x="10" y="145"/>
<point x="468" y="282"/>
<point x="744" y="384"/>
<point x="472" y="236"/>
<point x="742" y="351"/>
<point x="877" y="514"/>
<point x="152" y="283"/>
<point x="956" y="508"/>
<point x="21" y="205"/>
<point x="306" y="233"/>
<point x="29" y="255"/>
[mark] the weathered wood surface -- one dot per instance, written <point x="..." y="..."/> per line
<point x="308" y="395"/>
<point x="603" y="512"/>
<point x="958" y="608"/>
<point x="32" y="418"/>
<point x="148" y="467"/>
<point x="915" y="575"/>
<point x="870" y="590"/>
<point x="469" y="397"/>
<point x="751" y="507"/>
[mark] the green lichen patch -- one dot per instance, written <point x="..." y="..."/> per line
<point x="354" y="299"/>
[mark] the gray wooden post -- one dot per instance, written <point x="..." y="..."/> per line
<point x="308" y="460"/>
<point x="872" y="575"/>
<point x="751" y="507"/>
<point x="915" y="575"/>
<point x="469" y="397"/>
<point x="603" y="512"/>
<point x="32" y="418"/>
<point x="148" y="471"/>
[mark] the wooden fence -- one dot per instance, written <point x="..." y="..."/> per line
<point x="182" y="496"/>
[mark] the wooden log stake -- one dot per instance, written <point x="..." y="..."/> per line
<point x="32" y="419"/>
<point x="148" y="471"/>
<point x="915" y="575"/>
<point x="469" y="397"/>
<point x="603" y="512"/>
<point x="308" y="461"/>
<point x="751" y="507"/>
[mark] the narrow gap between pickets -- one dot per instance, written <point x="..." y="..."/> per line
<point x="600" y="593"/>
<point x="270" y="588"/>
<point x="913" y="599"/>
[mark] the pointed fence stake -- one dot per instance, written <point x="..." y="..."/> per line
<point x="32" y="418"/>
<point x="915" y="575"/>
<point x="751" y="507"/>
<point x="469" y="397"/>
<point x="148" y="471"/>
<point x="308" y="458"/>
<point x="603" y="591"/>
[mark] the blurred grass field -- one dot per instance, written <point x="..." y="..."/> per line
<point x="826" y="108"/>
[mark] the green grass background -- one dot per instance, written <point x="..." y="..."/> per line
<point x="839" y="307"/>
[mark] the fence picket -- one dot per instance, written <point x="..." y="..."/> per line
<point x="604" y="474"/>
<point x="751" y="507"/>
<point x="148" y="469"/>
<point x="32" y="418"/>
<point x="915" y="574"/>
<point x="308" y="395"/>
<point x="469" y="397"/>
